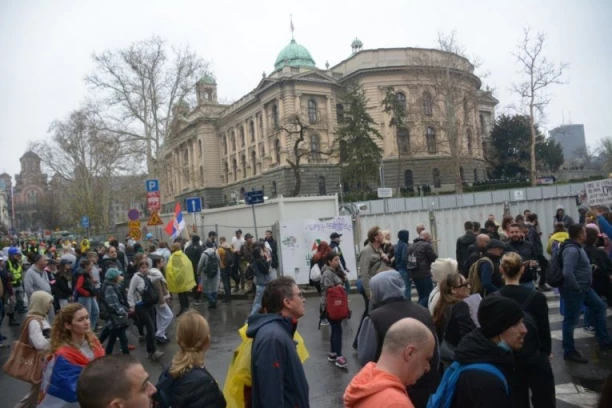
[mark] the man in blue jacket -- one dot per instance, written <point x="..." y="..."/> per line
<point x="401" y="261"/>
<point x="278" y="376"/>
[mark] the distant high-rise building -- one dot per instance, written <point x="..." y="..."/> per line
<point x="571" y="138"/>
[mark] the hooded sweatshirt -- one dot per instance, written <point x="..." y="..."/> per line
<point x="565" y="219"/>
<point x="372" y="387"/>
<point x="401" y="250"/>
<point x="559" y="237"/>
<point x="278" y="377"/>
<point x="582" y="210"/>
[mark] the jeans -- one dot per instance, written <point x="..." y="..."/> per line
<point x="407" y="284"/>
<point x="123" y="341"/>
<point x="257" y="301"/>
<point x="145" y="320"/>
<point x="226" y="280"/>
<point x="335" y="337"/>
<point x="424" y="286"/>
<point x="573" y="301"/>
<point x="211" y="287"/>
<point x="91" y="305"/>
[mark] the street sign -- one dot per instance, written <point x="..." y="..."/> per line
<point x="155" y="220"/>
<point x="85" y="221"/>
<point x="133" y="215"/>
<point x="193" y="204"/>
<point x="153" y="201"/>
<point x="135" y="234"/>
<point x="152" y="185"/>
<point x="519" y="195"/>
<point x="134" y="224"/>
<point x="385" y="192"/>
<point x="254" y="197"/>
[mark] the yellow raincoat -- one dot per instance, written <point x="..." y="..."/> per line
<point x="179" y="273"/>
<point x="238" y="380"/>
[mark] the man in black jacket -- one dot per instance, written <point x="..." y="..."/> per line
<point x="501" y="333"/>
<point x="527" y="252"/>
<point x="390" y="306"/>
<point x="464" y="242"/>
<point x="194" y="253"/>
<point x="334" y="244"/>
<point x="424" y="253"/>
<point x="475" y="252"/>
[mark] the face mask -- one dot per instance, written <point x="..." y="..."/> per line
<point x="503" y="345"/>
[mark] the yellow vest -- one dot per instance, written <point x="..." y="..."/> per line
<point x="15" y="272"/>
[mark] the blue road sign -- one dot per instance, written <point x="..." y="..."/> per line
<point x="254" y="197"/>
<point x="152" y="185"/>
<point x="193" y="204"/>
<point x="85" y="221"/>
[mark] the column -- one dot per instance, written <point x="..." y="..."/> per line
<point x="329" y="120"/>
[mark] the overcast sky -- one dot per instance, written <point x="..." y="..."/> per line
<point x="46" y="46"/>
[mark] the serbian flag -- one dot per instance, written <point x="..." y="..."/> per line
<point x="176" y="224"/>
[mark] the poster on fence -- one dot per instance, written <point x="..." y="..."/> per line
<point x="299" y="241"/>
<point x="599" y="192"/>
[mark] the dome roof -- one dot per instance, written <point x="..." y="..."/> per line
<point x="294" y="55"/>
<point x="208" y="79"/>
<point x="356" y="43"/>
<point x="30" y="155"/>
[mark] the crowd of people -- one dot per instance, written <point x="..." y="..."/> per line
<point x="480" y="322"/>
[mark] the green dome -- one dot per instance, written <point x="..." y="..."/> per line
<point x="294" y="55"/>
<point x="208" y="79"/>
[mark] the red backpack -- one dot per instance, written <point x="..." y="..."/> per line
<point x="337" y="303"/>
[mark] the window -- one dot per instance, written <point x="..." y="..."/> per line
<point x="235" y="169"/>
<point x="465" y="109"/>
<point x="224" y="138"/>
<point x="200" y="148"/>
<point x="401" y="98"/>
<point x="262" y="151"/>
<point x="226" y="172"/>
<point x="233" y="140"/>
<point x="277" y="150"/>
<point x="403" y="140"/>
<point x="431" y="140"/>
<point x="252" y="130"/>
<point x="242" y="138"/>
<point x="201" y="175"/>
<point x="244" y="166"/>
<point x="475" y="174"/>
<point x="462" y="174"/>
<point x="274" y="192"/>
<point x="340" y="113"/>
<point x="322" y="189"/>
<point x="408" y="181"/>
<point x="275" y="116"/>
<point x="312" y="111"/>
<point x="254" y="162"/>
<point x="343" y="151"/>
<point x="436" y="178"/>
<point x="315" y="147"/>
<point x="186" y="157"/>
<point x="468" y="136"/>
<point x="427" y="104"/>
<point x="482" y="125"/>
<point x="260" y="119"/>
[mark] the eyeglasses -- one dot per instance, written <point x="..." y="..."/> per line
<point x="463" y="285"/>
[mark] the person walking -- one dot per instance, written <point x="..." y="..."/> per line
<point x="86" y="291"/>
<point x="15" y="273"/>
<point x="262" y="276"/>
<point x="36" y="278"/>
<point x="117" y="307"/>
<point x="333" y="276"/>
<point x="194" y="252"/>
<point x="401" y="260"/>
<point x="180" y="277"/>
<point x="209" y="272"/>
<point x="226" y="259"/>
<point x="163" y="312"/>
<point x="422" y="250"/>
<point x="187" y="383"/>
<point x="238" y="273"/>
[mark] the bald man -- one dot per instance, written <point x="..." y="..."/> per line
<point x="476" y="251"/>
<point x="422" y="250"/>
<point x="406" y="351"/>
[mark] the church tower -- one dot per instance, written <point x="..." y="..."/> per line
<point x="206" y="89"/>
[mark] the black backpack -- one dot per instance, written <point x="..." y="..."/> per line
<point x="149" y="294"/>
<point x="194" y="253"/>
<point x="212" y="265"/>
<point x="531" y="345"/>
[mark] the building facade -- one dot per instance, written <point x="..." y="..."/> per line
<point x="29" y="193"/>
<point x="218" y="151"/>
<point x="572" y="140"/>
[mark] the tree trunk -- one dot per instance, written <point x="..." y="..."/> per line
<point x="298" y="180"/>
<point x="532" y="145"/>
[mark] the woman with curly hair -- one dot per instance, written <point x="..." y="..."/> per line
<point x="187" y="383"/>
<point x="73" y="346"/>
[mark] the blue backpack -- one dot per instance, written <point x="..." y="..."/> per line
<point x="443" y="397"/>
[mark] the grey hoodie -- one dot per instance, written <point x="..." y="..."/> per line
<point x="386" y="285"/>
<point x="36" y="280"/>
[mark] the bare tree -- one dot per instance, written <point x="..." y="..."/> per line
<point x="605" y="153"/>
<point x="142" y="88"/>
<point x="539" y="74"/>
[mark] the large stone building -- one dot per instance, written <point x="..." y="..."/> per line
<point x="218" y="151"/>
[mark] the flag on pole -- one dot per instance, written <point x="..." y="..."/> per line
<point x="176" y="224"/>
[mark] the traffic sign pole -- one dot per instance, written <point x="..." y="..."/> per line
<point x="255" y="222"/>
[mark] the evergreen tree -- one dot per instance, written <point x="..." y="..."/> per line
<point x="396" y="109"/>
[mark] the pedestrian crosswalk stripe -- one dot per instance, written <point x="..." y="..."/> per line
<point x="576" y="395"/>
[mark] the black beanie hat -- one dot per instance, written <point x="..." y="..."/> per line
<point x="496" y="314"/>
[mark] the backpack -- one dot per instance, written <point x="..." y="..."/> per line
<point x="336" y="305"/>
<point x="531" y="345"/>
<point x="474" y="274"/>
<point x="443" y="398"/>
<point x="194" y="253"/>
<point x="149" y="295"/>
<point x="554" y="276"/>
<point x="212" y="265"/>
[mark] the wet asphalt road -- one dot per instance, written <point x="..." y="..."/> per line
<point x="327" y="382"/>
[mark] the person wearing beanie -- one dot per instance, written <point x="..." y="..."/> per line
<point x="114" y="303"/>
<point x="388" y="307"/>
<point x="501" y="333"/>
<point x="401" y="260"/>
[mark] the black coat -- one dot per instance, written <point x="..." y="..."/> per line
<point x="463" y="246"/>
<point x="195" y="389"/>
<point x="602" y="271"/>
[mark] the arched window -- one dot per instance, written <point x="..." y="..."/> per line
<point x="201" y="175"/>
<point x="462" y="174"/>
<point x="475" y="174"/>
<point x="437" y="182"/>
<point x="244" y="166"/>
<point x="431" y="140"/>
<point x="274" y="192"/>
<point x="242" y="138"/>
<point x="403" y="140"/>
<point x="408" y="181"/>
<point x="235" y="169"/>
<point x="233" y="140"/>
<point x="343" y="151"/>
<point x="275" y="120"/>
<point x="322" y="189"/>
<point x="315" y="147"/>
<point x="401" y="98"/>
<point x="468" y="136"/>
<point x="200" y="148"/>
<point x="312" y="111"/>
<point x="254" y="162"/>
<point x="340" y="113"/>
<point x="277" y="151"/>
<point x="427" y="103"/>
<point x="252" y="130"/>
